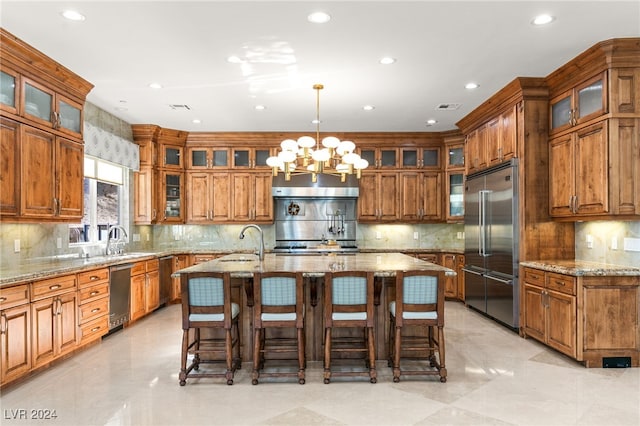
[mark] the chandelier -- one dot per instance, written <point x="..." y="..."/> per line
<point x="309" y="155"/>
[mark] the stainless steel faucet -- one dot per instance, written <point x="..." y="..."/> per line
<point x="119" y="242"/>
<point x="261" y="250"/>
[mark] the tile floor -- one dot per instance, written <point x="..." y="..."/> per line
<point x="494" y="378"/>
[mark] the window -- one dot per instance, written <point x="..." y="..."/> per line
<point x="104" y="200"/>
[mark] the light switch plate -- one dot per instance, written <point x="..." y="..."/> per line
<point x="16" y="246"/>
<point x="632" y="244"/>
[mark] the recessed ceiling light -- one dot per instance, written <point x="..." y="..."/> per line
<point x="121" y="108"/>
<point x="319" y="17"/>
<point x="72" y="15"/>
<point x="543" y="19"/>
<point x="155" y="85"/>
<point x="196" y="121"/>
<point x="471" y="86"/>
<point x="431" y="122"/>
<point x="387" y="60"/>
<point x="234" y="60"/>
<point x="316" y="121"/>
<point x="368" y="107"/>
<point x="260" y="107"/>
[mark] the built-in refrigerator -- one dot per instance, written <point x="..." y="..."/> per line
<point x="491" y="243"/>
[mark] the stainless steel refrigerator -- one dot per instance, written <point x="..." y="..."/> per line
<point x="491" y="243"/>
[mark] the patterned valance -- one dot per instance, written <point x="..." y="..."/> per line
<point x="107" y="146"/>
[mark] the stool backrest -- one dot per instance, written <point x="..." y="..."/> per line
<point x="419" y="291"/>
<point x="348" y="292"/>
<point x="278" y="293"/>
<point x="204" y="295"/>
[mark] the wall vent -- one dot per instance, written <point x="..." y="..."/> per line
<point x="178" y="107"/>
<point x="447" y="107"/>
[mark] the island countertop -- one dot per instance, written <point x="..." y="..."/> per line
<point x="579" y="268"/>
<point x="381" y="264"/>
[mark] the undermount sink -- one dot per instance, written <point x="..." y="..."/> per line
<point x="237" y="260"/>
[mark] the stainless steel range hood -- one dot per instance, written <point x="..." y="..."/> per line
<point x="327" y="186"/>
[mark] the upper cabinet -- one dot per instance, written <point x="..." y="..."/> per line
<point x="251" y="158"/>
<point x="493" y="142"/>
<point x="594" y="113"/>
<point x="381" y="158"/>
<point x="41" y="105"/>
<point x="421" y="158"/>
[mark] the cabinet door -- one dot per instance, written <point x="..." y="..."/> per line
<point x="152" y="291"/>
<point x="138" y="300"/>
<point x="508" y="134"/>
<point x="67" y="323"/>
<point x="431" y="190"/>
<point x="37" y="175"/>
<point x="367" y="207"/>
<point x="70" y="176"/>
<point x="241" y="192"/>
<point x="263" y="200"/>
<point x="144" y="193"/>
<point x="171" y="193"/>
<point x="454" y="201"/>
<point x="38" y="102"/>
<point x="592" y="169"/>
<point x="493" y="143"/>
<point x="561" y="322"/>
<point x="411" y="197"/>
<point x="561" y="112"/>
<point x="591" y="99"/>
<point x="561" y="176"/>
<point x="221" y="197"/>
<point x="43" y="318"/>
<point x="624" y="148"/>
<point x="460" y="261"/>
<point x="68" y="116"/>
<point x="450" y="283"/>
<point x="9" y="90"/>
<point x="179" y="262"/>
<point x="15" y="342"/>
<point x="9" y="164"/>
<point x="171" y="156"/>
<point x="534" y="312"/>
<point x="199" y="194"/>
<point x="388" y="195"/>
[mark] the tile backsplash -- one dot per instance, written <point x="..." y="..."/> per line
<point x="604" y="248"/>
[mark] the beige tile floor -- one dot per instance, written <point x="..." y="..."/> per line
<point x="495" y="378"/>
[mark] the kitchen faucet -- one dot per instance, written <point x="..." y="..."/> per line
<point x="120" y="240"/>
<point x="261" y="251"/>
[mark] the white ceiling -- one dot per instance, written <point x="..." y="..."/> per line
<point x="122" y="46"/>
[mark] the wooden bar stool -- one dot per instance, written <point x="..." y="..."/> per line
<point x="349" y="303"/>
<point x="206" y="303"/>
<point x="278" y="302"/>
<point x="419" y="302"/>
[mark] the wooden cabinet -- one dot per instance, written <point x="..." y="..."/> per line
<point x="379" y="199"/>
<point x="477" y="150"/>
<point x="145" y="289"/>
<point x="15" y="332"/>
<point x="550" y="309"/>
<point x="250" y="158"/>
<point x="579" y="104"/>
<point x="451" y="283"/>
<point x="180" y="261"/>
<point x="204" y="157"/>
<point x="42" y="147"/>
<point x="54" y="318"/>
<point x="460" y="260"/>
<point x="589" y="318"/>
<point x="494" y="142"/>
<point x="251" y="197"/>
<point x="145" y="210"/>
<point x="421" y="158"/>
<point x="171" y="156"/>
<point x="381" y="158"/>
<point x="171" y="195"/>
<point x="454" y="180"/>
<point x="208" y="197"/>
<point x="421" y="196"/>
<point x="93" y="304"/>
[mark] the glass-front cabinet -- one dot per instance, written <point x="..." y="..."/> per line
<point x="581" y="103"/>
<point x="250" y="157"/>
<point x="9" y="91"/>
<point x="455" y="156"/>
<point x="207" y="158"/>
<point x="422" y="158"/>
<point x="171" y="156"/>
<point x="455" y="196"/>
<point x="380" y="158"/>
<point x="172" y="192"/>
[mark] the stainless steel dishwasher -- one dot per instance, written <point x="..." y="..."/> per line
<point x="119" y="295"/>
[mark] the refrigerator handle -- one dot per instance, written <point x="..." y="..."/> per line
<point x="480" y="223"/>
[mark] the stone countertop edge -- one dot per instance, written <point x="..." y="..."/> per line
<point x="578" y="268"/>
<point x="52" y="267"/>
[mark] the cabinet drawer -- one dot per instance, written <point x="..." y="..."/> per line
<point x="534" y="276"/>
<point x="152" y="265"/>
<point x="94" y="329"/>
<point x="202" y="258"/>
<point x="97" y="291"/>
<point x="93" y="310"/>
<point x="52" y="287"/>
<point x="14" y="296"/>
<point x="138" y="268"/>
<point x="562" y="283"/>
<point x="91" y="277"/>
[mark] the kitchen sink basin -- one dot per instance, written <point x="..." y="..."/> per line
<point x="237" y="260"/>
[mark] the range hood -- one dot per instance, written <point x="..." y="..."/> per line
<point x="327" y="186"/>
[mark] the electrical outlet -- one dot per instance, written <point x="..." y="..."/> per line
<point x="614" y="243"/>
<point x="59" y="242"/>
<point x="460" y="235"/>
<point x="136" y="238"/>
<point x="16" y="246"/>
<point x="589" y="241"/>
<point x="378" y="235"/>
<point x="416" y="235"/>
<point x="632" y="244"/>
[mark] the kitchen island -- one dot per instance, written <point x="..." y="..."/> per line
<point x="383" y="265"/>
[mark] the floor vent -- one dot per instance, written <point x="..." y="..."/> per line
<point x="616" y="362"/>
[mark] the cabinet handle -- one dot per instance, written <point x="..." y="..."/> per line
<point x="93" y="311"/>
<point x="54" y="287"/>
<point x="153" y="214"/>
<point x="3" y="299"/>
<point x="93" y="293"/>
<point x="94" y="277"/>
<point x="3" y="323"/>
<point x="93" y="330"/>
<point x="560" y="283"/>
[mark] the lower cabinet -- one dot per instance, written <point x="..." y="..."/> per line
<point x="93" y="301"/>
<point x="145" y="289"/>
<point x="589" y="318"/>
<point x="179" y="262"/>
<point x="15" y="332"/>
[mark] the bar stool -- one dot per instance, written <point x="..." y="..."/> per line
<point x="278" y="302"/>
<point x="419" y="302"/>
<point x="349" y="303"/>
<point x="206" y="304"/>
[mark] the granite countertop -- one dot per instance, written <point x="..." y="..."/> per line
<point x="579" y="268"/>
<point x="382" y="264"/>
